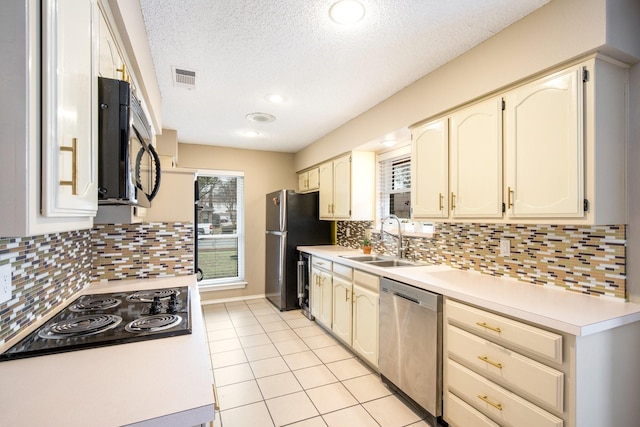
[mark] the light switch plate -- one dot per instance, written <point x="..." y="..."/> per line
<point x="5" y="282"/>
<point x="505" y="247"/>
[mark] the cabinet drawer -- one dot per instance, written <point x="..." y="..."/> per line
<point x="495" y="401"/>
<point x="366" y="280"/>
<point x="458" y="414"/>
<point x="343" y="270"/>
<point x="535" y="340"/>
<point x="321" y="263"/>
<point x="527" y="375"/>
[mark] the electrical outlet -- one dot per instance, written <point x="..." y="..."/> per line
<point x="5" y="282"/>
<point x="505" y="247"/>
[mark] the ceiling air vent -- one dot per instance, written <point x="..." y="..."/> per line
<point x="184" y="78"/>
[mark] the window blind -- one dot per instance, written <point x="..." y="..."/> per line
<point x="394" y="186"/>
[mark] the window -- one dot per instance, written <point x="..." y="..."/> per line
<point x="394" y="183"/>
<point x="220" y="228"/>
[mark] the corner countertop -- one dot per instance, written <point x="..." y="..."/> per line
<point x="161" y="382"/>
<point x="551" y="307"/>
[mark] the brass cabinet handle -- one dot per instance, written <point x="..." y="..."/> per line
<point x="440" y="199"/>
<point x="215" y="397"/>
<point x="346" y="294"/>
<point x="74" y="166"/>
<point x="492" y="328"/>
<point x="453" y="200"/>
<point x="485" y="399"/>
<point x="490" y="362"/>
<point x="509" y="201"/>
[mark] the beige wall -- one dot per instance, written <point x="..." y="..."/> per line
<point x="264" y="172"/>
<point x="554" y="34"/>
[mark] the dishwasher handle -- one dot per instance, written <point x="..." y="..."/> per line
<point x="413" y="300"/>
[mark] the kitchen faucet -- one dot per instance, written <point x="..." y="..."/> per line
<point x="401" y="248"/>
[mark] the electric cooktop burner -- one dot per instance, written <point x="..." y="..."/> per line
<point x="107" y="319"/>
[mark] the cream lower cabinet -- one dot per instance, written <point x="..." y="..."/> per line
<point x="366" y="297"/>
<point x="342" y="302"/>
<point x="321" y="292"/>
<point x="500" y="371"/>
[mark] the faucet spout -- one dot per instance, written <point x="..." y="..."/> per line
<point x="399" y="236"/>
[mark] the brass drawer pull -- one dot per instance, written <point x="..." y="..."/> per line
<point x="485" y="399"/>
<point x="215" y="397"/>
<point x="490" y="362"/>
<point x="492" y="328"/>
<point x="74" y="166"/>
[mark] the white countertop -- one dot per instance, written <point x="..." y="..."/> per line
<point x="552" y="307"/>
<point x="161" y="382"/>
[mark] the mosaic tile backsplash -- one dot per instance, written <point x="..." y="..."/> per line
<point x="139" y="251"/>
<point x="585" y="259"/>
<point x="46" y="270"/>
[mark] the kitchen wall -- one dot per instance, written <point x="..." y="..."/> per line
<point x="581" y="259"/>
<point x="46" y="270"/>
<point x="264" y="172"/>
<point x="633" y="188"/>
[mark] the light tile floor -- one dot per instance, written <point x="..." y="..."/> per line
<point x="276" y="368"/>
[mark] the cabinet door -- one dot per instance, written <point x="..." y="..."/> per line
<point x="326" y="190"/>
<point x="342" y="308"/>
<point x="429" y="170"/>
<point x="476" y="161"/>
<point x="326" y="299"/>
<point x="303" y="181"/>
<point x="544" y="147"/>
<point x="315" y="295"/>
<point x="342" y="187"/>
<point x="69" y="134"/>
<point x="365" y="323"/>
<point x="313" y="180"/>
<point x="110" y="63"/>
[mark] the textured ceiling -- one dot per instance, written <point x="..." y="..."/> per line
<point x="243" y="50"/>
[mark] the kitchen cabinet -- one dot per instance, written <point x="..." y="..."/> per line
<point x="476" y="161"/>
<point x="545" y="166"/>
<point x="321" y="293"/>
<point x="429" y="170"/>
<point x="69" y="108"/>
<point x="503" y="371"/>
<point x="342" y="302"/>
<point x="30" y="155"/>
<point x="564" y="145"/>
<point x="110" y="62"/>
<point x="309" y="180"/>
<point x="365" y="298"/>
<point x="347" y="185"/>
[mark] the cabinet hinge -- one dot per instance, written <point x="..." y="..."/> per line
<point x="585" y="75"/>
<point x="504" y="208"/>
<point x="585" y="205"/>
<point x="504" y="105"/>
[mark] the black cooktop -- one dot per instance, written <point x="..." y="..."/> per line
<point x="108" y="319"/>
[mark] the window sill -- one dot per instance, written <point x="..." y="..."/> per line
<point x="211" y="287"/>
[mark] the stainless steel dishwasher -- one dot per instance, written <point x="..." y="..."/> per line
<point x="410" y="355"/>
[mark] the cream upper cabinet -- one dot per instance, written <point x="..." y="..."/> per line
<point x="476" y="161"/>
<point x="309" y="180"/>
<point x="429" y="170"/>
<point x="347" y="186"/>
<point x="544" y="147"/>
<point x="110" y="63"/>
<point x="69" y="89"/>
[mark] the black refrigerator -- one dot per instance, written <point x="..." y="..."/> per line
<point x="292" y="221"/>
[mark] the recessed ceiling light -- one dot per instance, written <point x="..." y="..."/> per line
<point x="389" y="142"/>
<point x="251" y="133"/>
<point x="274" y="98"/>
<point x="260" y="117"/>
<point x="346" y="11"/>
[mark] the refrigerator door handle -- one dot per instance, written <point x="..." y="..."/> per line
<point x="301" y="267"/>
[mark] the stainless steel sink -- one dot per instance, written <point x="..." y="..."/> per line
<point x="364" y="258"/>
<point x="392" y="263"/>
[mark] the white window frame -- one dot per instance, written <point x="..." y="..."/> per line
<point x="238" y="281"/>
<point x="402" y="151"/>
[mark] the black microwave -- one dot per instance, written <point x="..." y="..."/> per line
<point x="128" y="165"/>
